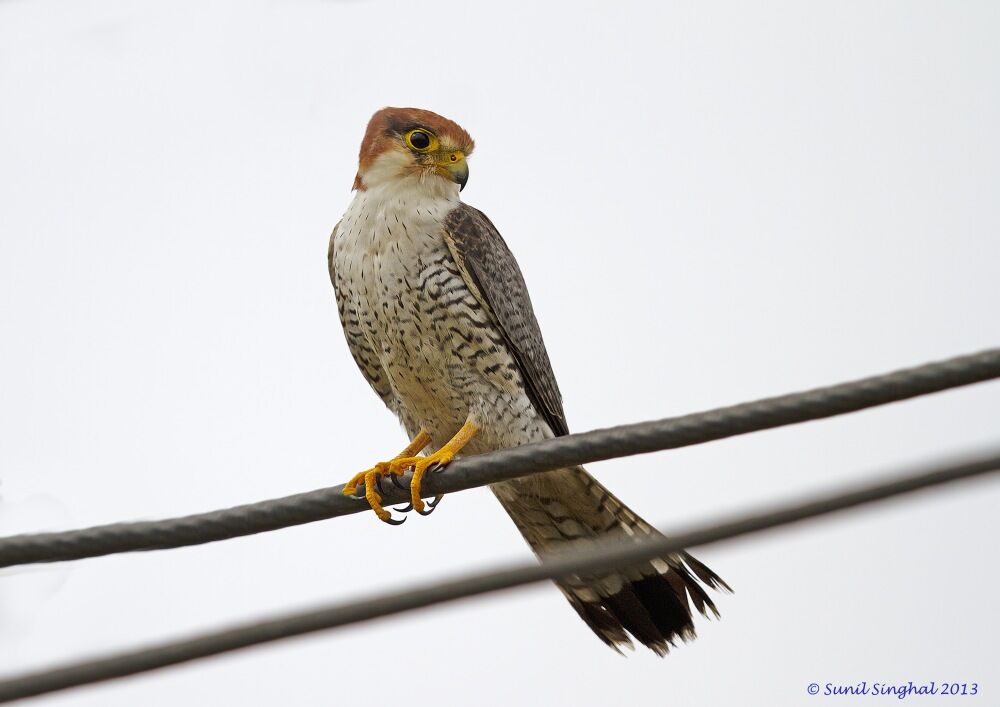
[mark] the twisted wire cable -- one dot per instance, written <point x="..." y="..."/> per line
<point x="597" y="558"/>
<point x="597" y="445"/>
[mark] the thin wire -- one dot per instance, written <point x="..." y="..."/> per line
<point x="596" y="559"/>
<point x="507" y="464"/>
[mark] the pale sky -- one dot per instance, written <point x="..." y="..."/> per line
<point x="711" y="202"/>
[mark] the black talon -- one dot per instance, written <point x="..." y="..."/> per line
<point x="395" y="482"/>
<point x="431" y="505"/>
<point x="405" y="509"/>
<point x="392" y="521"/>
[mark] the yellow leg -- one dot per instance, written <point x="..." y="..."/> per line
<point x="370" y="477"/>
<point x="440" y="458"/>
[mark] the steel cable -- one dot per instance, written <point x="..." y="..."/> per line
<point x="596" y="558"/>
<point x="507" y="464"/>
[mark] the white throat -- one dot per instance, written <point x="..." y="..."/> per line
<point x="403" y="216"/>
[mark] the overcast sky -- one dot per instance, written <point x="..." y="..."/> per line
<point x="711" y="202"/>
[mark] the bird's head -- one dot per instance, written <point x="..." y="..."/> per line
<point x="414" y="144"/>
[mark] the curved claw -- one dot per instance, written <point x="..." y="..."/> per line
<point x="392" y="521"/>
<point x="430" y="506"/>
<point x="396" y="483"/>
<point x="405" y="509"/>
<point x="378" y="485"/>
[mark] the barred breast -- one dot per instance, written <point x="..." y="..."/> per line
<point x="420" y="336"/>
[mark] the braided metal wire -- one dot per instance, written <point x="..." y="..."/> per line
<point x="503" y="465"/>
<point x="596" y="558"/>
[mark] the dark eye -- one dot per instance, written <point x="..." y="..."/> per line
<point x="419" y="140"/>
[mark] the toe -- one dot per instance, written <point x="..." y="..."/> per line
<point x="400" y="466"/>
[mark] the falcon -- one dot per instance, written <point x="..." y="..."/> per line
<point x="438" y="319"/>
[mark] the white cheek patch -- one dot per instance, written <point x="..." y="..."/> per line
<point x="387" y="166"/>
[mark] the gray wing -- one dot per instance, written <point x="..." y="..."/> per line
<point x="490" y="270"/>
<point x="364" y="355"/>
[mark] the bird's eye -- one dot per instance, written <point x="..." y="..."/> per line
<point x="420" y="140"/>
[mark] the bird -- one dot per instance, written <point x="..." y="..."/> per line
<point x="438" y="319"/>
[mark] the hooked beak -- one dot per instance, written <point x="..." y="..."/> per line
<point x="454" y="167"/>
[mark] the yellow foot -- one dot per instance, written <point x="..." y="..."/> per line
<point x="370" y="478"/>
<point x="440" y="458"/>
<point x="420" y="465"/>
<point x="407" y="460"/>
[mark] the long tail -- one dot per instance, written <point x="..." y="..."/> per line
<point x="557" y="510"/>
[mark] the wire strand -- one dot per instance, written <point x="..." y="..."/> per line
<point x="572" y="450"/>
<point x="597" y="558"/>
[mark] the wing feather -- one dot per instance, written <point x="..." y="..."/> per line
<point x="491" y="272"/>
